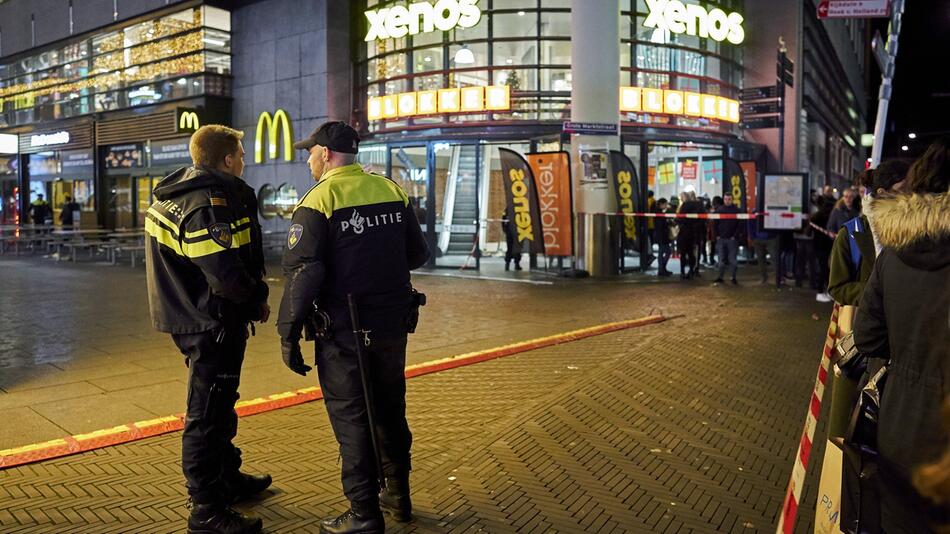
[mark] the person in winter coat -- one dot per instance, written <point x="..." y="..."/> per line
<point x="688" y="238"/>
<point x="853" y="252"/>
<point x="903" y="317"/>
<point x="513" y="250"/>
<point x="661" y="236"/>
<point x="847" y="208"/>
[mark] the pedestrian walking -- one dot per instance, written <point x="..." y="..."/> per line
<point x="513" y="246"/>
<point x="354" y="237"/>
<point x="205" y="275"/>
<point x="854" y="251"/>
<point x="70" y="210"/>
<point x="765" y="244"/>
<point x="728" y="235"/>
<point x="661" y="236"/>
<point x="902" y="320"/>
<point x="40" y="212"/>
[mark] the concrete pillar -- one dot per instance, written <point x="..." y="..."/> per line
<point x="595" y="96"/>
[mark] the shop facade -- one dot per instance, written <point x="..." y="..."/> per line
<point x="435" y="106"/>
<point x="102" y="116"/>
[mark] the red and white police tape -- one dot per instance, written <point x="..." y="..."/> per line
<point x="710" y="216"/>
<point x="786" y="521"/>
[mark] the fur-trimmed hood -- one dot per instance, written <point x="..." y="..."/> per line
<point x="916" y="226"/>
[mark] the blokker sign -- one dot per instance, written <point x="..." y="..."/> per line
<point x="692" y="19"/>
<point x="399" y="21"/>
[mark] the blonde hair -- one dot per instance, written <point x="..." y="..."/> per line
<point x="211" y="143"/>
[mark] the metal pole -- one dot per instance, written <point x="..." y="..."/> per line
<point x="360" y="339"/>
<point x="780" y="90"/>
<point x="884" y="95"/>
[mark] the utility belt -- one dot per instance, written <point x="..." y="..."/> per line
<point x="320" y="325"/>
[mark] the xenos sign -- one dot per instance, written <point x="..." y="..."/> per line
<point x="692" y="19"/>
<point x="399" y="21"/>
<point x="625" y="190"/>
<point x="519" y="191"/>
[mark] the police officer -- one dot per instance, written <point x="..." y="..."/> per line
<point x="355" y="233"/>
<point x="40" y="211"/>
<point x="205" y="273"/>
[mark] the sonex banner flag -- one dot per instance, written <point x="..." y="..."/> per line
<point x="627" y="189"/>
<point x="552" y="173"/>
<point x="734" y="183"/>
<point x="521" y="196"/>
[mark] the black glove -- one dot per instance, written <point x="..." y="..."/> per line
<point x="293" y="359"/>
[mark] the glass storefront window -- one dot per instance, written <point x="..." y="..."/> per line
<point x="555" y="24"/>
<point x="677" y="167"/>
<point x="521" y="24"/>
<point x="476" y="55"/>
<point x="556" y="52"/>
<point x="267" y="201"/>
<point x="556" y="80"/>
<point x="427" y="59"/>
<point x="515" y="53"/>
<point x="286" y="200"/>
<point x="518" y="79"/>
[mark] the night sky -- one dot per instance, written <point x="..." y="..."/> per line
<point x="921" y="99"/>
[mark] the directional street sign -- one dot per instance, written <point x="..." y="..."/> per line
<point x="838" y="9"/>
<point x="759" y="108"/>
<point x="591" y="128"/>
<point x="758" y="93"/>
<point x="765" y="122"/>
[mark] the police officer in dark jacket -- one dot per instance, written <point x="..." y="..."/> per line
<point x="205" y="273"/>
<point x="355" y="233"/>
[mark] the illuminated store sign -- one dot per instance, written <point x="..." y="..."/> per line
<point x="683" y="103"/>
<point x="58" y="138"/>
<point x="274" y="125"/>
<point x="399" y="21"/>
<point x="464" y="100"/>
<point x="691" y="19"/>
<point x="9" y="144"/>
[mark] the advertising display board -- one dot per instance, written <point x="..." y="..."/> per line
<point x="784" y="199"/>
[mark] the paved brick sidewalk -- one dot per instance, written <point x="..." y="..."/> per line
<point x="685" y="426"/>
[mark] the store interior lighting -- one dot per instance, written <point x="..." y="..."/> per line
<point x="464" y="56"/>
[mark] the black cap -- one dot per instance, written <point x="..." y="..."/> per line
<point x="338" y="136"/>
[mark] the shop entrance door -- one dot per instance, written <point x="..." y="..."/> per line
<point x="454" y="189"/>
<point x="120" y="212"/>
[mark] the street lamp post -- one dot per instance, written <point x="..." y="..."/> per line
<point x="884" y="95"/>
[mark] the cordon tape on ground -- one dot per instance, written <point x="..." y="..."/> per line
<point x="154" y="427"/>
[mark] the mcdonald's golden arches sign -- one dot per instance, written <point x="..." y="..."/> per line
<point x="274" y="125"/>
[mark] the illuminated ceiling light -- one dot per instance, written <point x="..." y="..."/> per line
<point x="905" y="148"/>
<point x="509" y="61"/>
<point x="464" y="56"/>
<point x="195" y="83"/>
<point x="182" y="81"/>
<point x="428" y="58"/>
<point x="214" y="42"/>
<point x="521" y="13"/>
<point x="912" y="135"/>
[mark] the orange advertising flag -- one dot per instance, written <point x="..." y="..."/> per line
<point x="552" y="171"/>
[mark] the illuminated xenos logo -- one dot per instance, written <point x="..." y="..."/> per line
<point x="692" y="19"/>
<point x="399" y="21"/>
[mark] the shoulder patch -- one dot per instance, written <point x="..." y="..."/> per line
<point x="294" y="235"/>
<point x="221" y="234"/>
<point x="217" y="201"/>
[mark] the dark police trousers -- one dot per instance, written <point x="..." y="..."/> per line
<point x="214" y="374"/>
<point x="339" y="375"/>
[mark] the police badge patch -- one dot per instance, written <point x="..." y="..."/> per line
<point x="294" y="235"/>
<point x="221" y="234"/>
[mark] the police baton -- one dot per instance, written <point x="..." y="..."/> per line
<point x="361" y="340"/>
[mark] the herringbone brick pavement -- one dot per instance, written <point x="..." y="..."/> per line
<point x="686" y="426"/>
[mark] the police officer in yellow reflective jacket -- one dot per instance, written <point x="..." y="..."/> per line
<point x="355" y="233"/>
<point x="205" y="274"/>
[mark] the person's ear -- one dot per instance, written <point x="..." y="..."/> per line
<point x="228" y="161"/>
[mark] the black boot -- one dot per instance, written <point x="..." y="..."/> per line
<point x="243" y="486"/>
<point x="517" y="265"/>
<point x="221" y="519"/>
<point x="359" y="519"/>
<point x="394" y="499"/>
<point x="507" y="265"/>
